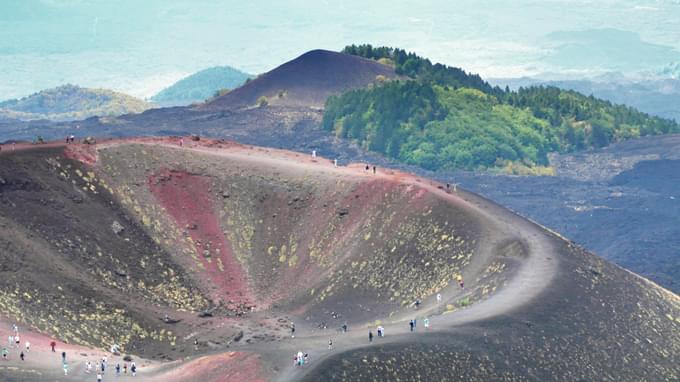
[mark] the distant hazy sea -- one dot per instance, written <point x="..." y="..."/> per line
<point x="139" y="47"/>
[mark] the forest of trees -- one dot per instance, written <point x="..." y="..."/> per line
<point x="441" y="117"/>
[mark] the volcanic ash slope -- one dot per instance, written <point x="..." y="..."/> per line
<point x="112" y="238"/>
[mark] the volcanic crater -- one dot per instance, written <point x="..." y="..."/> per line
<point x="199" y="259"/>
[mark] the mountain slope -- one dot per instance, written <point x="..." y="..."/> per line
<point x="305" y="81"/>
<point x="70" y="102"/>
<point x="112" y="237"/>
<point x="659" y="97"/>
<point x="444" y="118"/>
<point x="200" y="86"/>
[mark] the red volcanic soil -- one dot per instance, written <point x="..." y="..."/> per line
<point x="225" y="367"/>
<point x="187" y="199"/>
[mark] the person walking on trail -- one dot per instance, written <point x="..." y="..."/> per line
<point x="330" y="344"/>
<point x="426" y="323"/>
<point x="370" y="336"/>
<point x="459" y="278"/>
<point x="374" y="169"/>
<point x="344" y="327"/>
<point x="5" y="353"/>
<point x="28" y="346"/>
<point x="52" y="345"/>
<point x="292" y="330"/>
<point x="335" y="162"/>
<point x="439" y="298"/>
<point x="88" y="367"/>
<point x="367" y="168"/>
<point x="412" y="325"/>
<point x="63" y="355"/>
<point x="21" y="356"/>
<point x="133" y="369"/>
<point x="381" y="331"/>
<point x="99" y="377"/>
<point x="117" y="370"/>
<point x="313" y="153"/>
<point x="17" y="341"/>
<point x="417" y="303"/>
<point x="65" y="368"/>
<point x="125" y="368"/>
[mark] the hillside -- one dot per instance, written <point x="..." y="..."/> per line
<point x="201" y="86"/>
<point x="70" y="102"/>
<point x="305" y="81"/>
<point x="659" y="97"/>
<point x="113" y="237"/>
<point x="444" y="118"/>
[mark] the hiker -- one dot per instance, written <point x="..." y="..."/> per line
<point x="117" y="370"/>
<point x="21" y="356"/>
<point x="15" y="328"/>
<point x="330" y="344"/>
<point x="124" y="367"/>
<point x="417" y="303"/>
<point x="344" y="327"/>
<point x="65" y="368"/>
<point x="313" y="153"/>
<point x="335" y="162"/>
<point x="426" y="322"/>
<point x="181" y="142"/>
<point x="28" y="346"/>
<point x="52" y="345"/>
<point x="300" y="358"/>
<point x="448" y="186"/>
<point x="374" y="169"/>
<point x="292" y="330"/>
<point x="367" y="168"/>
<point x="439" y="298"/>
<point x="99" y="377"/>
<point x="459" y="278"/>
<point x="88" y="367"/>
<point x="370" y="336"/>
<point x="133" y="369"/>
<point x="17" y="340"/>
<point x="381" y="331"/>
<point x="63" y="355"/>
<point x="5" y="353"/>
<point x="103" y="367"/>
<point x="412" y="325"/>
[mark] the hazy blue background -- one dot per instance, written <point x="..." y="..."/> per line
<point x="141" y="46"/>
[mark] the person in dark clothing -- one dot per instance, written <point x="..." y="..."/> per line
<point x="374" y="169"/>
<point x="370" y="336"/>
<point x="52" y="345"/>
<point x="63" y="355"/>
<point x="412" y="325"/>
<point x="21" y="356"/>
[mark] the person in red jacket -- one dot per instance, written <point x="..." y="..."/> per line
<point x="52" y="345"/>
